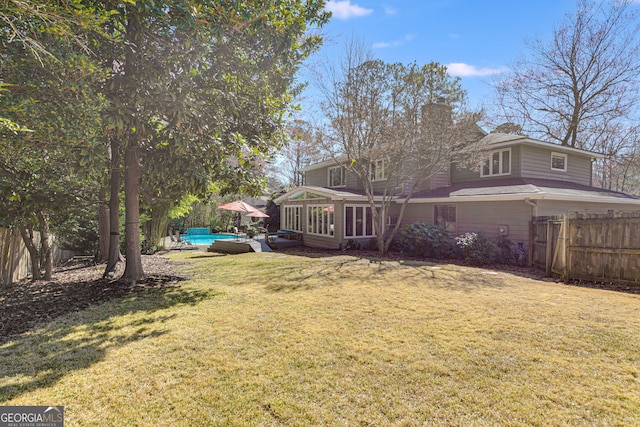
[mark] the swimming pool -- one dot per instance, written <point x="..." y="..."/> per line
<point x="206" y="239"/>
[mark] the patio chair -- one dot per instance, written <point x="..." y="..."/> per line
<point x="178" y="242"/>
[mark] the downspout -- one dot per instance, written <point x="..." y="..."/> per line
<point x="534" y="204"/>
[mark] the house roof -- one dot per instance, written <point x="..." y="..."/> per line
<point x="329" y="193"/>
<point x="325" y="163"/>
<point x="492" y="141"/>
<point x="522" y="188"/>
<point x="499" y="140"/>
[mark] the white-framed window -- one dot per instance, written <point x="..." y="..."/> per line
<point x="320" y="220"/>
<point x="292" y="218"/>
<point x="358" y="221"/>
<point x="379" y="170"/>
<point x="445" y="217"/>
<point x="559" y="162"/>
<point x="336" y="176"/>
<point x="497" y="163"/>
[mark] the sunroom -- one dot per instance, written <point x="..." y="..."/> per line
<point x="326" y="218"/>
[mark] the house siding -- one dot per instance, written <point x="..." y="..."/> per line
<point x="387" y="186"/>
<point x="536" y="163"/>
<point x="462" y="174"/>
<point x="353" y="182"/>
<point x="480" y="217"/>
<point x="528" y="161"/>
<point x="320" y="178"/>
<point x="418" y="212"/>
<point x="316" y="177"/>
<point x="487" y="217"/>
<point x="558" y="207"/>
<point x="441" y="179"/>
<point x="314" y="241"/>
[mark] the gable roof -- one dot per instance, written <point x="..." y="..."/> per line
<point x="325" y="163"/>
<point x="329" y="193"/>
<point x="520" y="189"/>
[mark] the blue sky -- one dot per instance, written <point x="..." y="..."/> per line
<point x="476" y="39"/>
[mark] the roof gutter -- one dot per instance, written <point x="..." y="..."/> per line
<point x="515" y="196"/>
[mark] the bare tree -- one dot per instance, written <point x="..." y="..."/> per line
<point x="576" y="88"/>
<point x="379" y="128"/>
<point x="300" y="150"/>
<point x="620" y="171"/>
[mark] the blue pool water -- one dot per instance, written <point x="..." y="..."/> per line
<point x="206" y="239"/>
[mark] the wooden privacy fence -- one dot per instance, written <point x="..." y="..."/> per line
<point x="596" y="247"/>
<point x="14" y="257"/>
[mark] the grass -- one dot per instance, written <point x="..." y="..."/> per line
<point x="274" y="339"/>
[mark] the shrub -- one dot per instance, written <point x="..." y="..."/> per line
<point x="422" y="239"/>
<point x="352" y="244"/>
<point x="371" y="245"/>
<point x="504" y="251"/>
<point x="476" y="248"/>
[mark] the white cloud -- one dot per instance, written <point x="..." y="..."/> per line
<point x="395" y="43"/>
<point x="465" y="70"/>
<point x="345" y="10"/>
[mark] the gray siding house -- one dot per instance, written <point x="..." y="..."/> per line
<point x="520" y="178"/>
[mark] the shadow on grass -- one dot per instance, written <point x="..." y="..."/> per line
<point x="373" y="256"/>
<point x="85" y="331"/>
<point x="208" y="255"/>
<point x="331" y="270"/>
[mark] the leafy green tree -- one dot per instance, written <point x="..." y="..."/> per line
<point x="31" y="25"/>
<point x="47" y="169"/>
<point x="207" y="84"/>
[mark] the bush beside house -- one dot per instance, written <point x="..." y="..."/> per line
<point x="432" y="241"/>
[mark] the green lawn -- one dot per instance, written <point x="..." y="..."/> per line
<point x="274" y="339"/>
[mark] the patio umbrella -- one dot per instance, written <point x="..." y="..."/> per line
<point x="238" y="206"/>
<point x="257" y="214"/>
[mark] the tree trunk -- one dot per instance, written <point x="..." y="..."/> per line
<point x="156" y="228"/>
<point x="34" y="255"/>
<point x="133" y="270"/>
<point x="114" y="210"/>
<point x="47" y="254"/>
<point x="103" y="228"/>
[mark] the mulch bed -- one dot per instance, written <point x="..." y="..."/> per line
<point x="78" y="285"/>
<point x="75" y="286"/>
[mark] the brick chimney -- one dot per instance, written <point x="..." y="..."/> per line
<point x="437" y="114"/>
<point x="437" y="122"/>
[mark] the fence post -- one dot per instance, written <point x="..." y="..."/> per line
<point x="567" y="252"/>
<point x="549" y="248"/>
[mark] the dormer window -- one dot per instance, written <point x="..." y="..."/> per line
<point x="558" y="162"/>
<point x="379" y="170"/>
<point x="337" y="177"/>
<point x="497" y="163"/>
